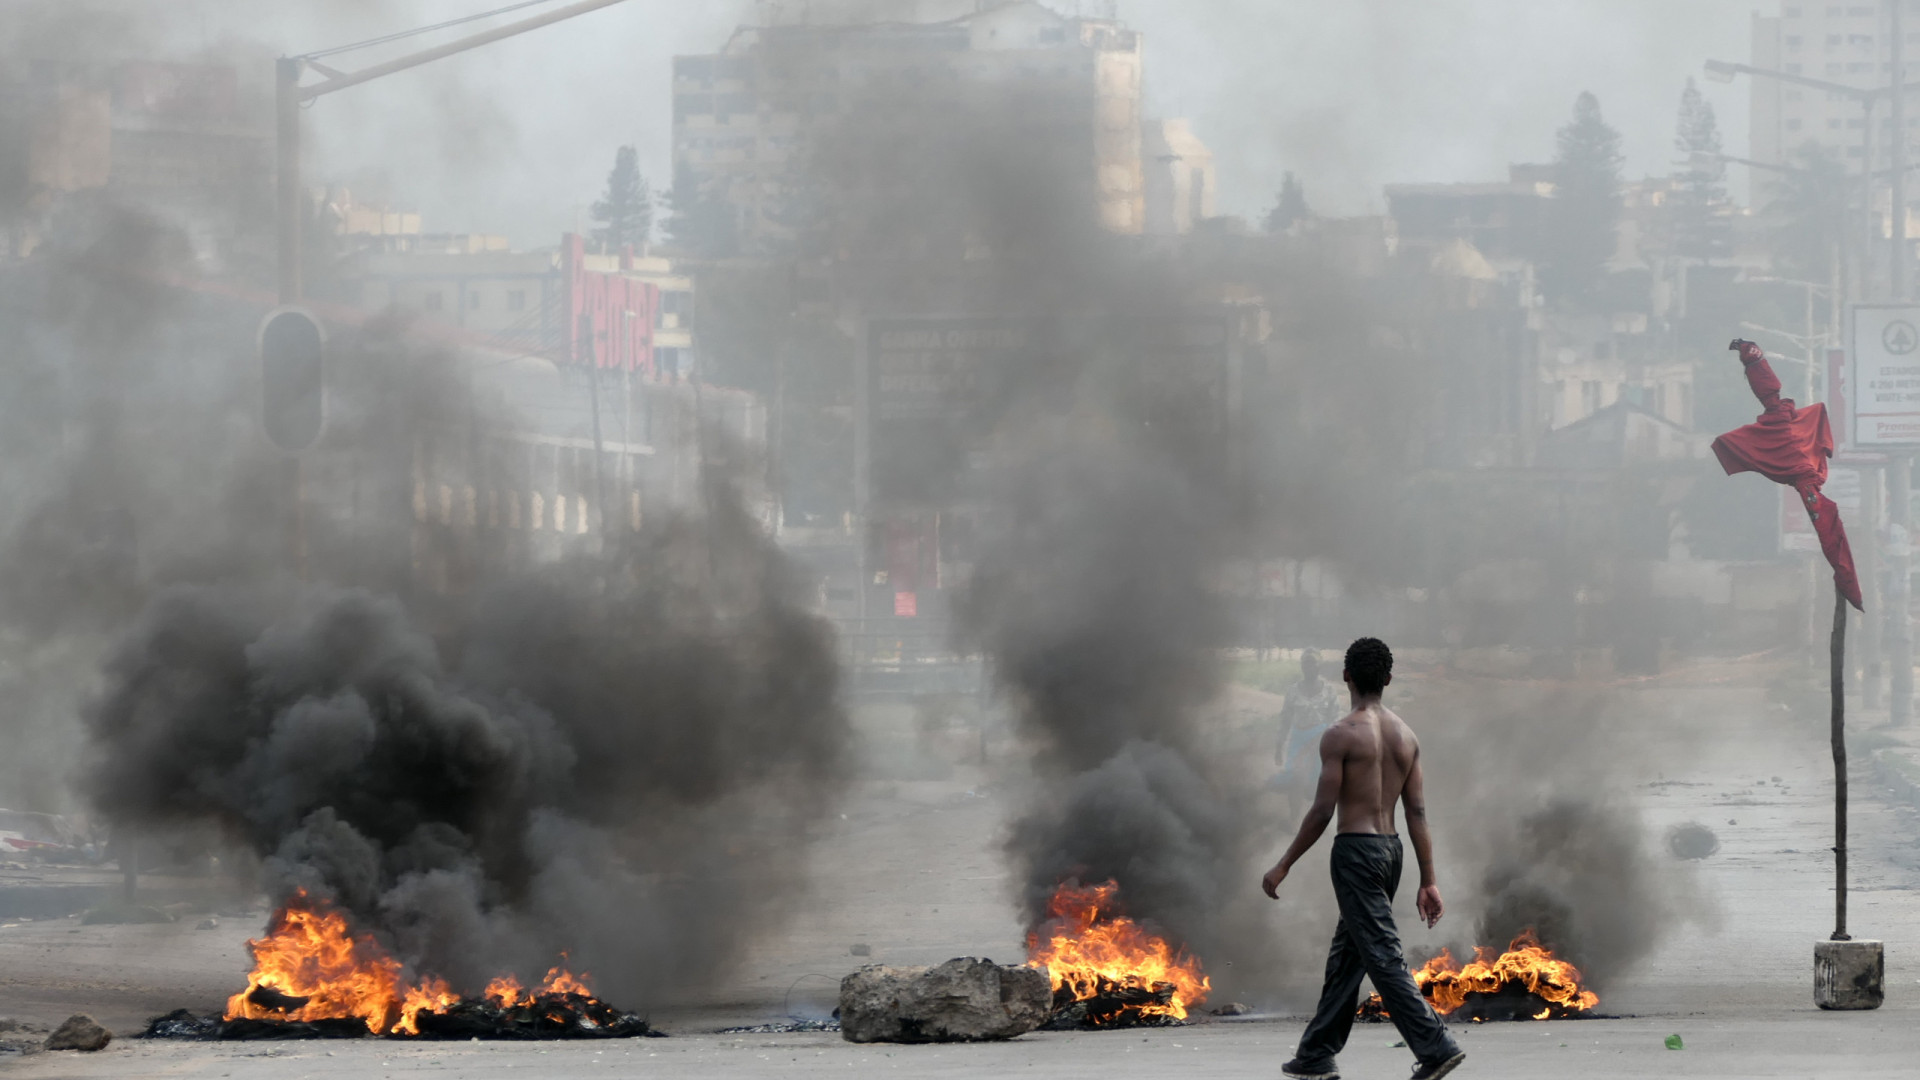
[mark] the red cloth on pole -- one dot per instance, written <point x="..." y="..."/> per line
<point x="1790" y="445"/>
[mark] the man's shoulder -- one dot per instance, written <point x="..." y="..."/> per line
<point x="1401" y="727"/>
<point x="1344" y="729"/>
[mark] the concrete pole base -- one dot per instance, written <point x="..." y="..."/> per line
<point x="1849" y="974"/>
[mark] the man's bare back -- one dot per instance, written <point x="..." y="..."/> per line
<point x="1373" y="752"/>
<point x="1369" y="762"/>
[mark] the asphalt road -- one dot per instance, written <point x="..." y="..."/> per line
<point x="913" y="872"/>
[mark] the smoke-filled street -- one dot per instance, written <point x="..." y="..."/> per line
<point x="912" y="872"/>
<point x="1101" y="537"/>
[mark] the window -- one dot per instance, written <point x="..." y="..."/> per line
<point x="1793" y="69"/>
<point x="1833" y="39"/>
<point x="1833" y="69"/>
<point x="1794" y="95"/>
<point x="1792" y="13"/>
<point x="1859" y="68"/>
<point x="1793" y="124"/>
<point x="1860" y="12"/>
<point x="1862" y="40"/>
<point x="473" y="300"/>
<point x="1793" y="41"/>
<point x="1856" y="123"/>
<point x="1590" y="397"/>
<point x="1854" y="151"/>
<point x="433" y="301"/>
<point x="1833" y="123"/>
<point x="517" y="300"/>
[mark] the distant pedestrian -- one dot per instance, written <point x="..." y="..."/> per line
<point x="1312" y="705"/>
<point x="1369" y="761"/>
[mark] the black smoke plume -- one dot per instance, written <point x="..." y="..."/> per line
<point x="591" y="759"/>
<point x="618" y="754"/>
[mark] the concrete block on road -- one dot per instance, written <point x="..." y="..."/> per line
<point x="1849" y="974"/>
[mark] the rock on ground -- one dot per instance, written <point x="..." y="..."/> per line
<point x="966" y="999"/>
<point x="79" y="1033"/>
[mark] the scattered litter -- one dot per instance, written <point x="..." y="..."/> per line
<point x="861" y="949"/>
<point x="1674" y="1043"/>
<point x="787" y="1028"/>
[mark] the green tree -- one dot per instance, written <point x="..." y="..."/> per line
<point x="702" y="223"/>
<point x="1580" y="219"/>
<point x="1701" y="227"/>
<point x="625" y="212"/>
<point x="1291" y="207"/>
<point x="1807" y="217"/>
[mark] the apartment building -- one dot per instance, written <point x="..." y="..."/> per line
<point x="750" y="120"/>
<point x="1849" y="44"/>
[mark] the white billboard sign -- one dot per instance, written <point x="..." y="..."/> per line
<point x="1885" y="383"/>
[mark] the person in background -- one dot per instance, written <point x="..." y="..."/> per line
<point x="1313" y="705"/>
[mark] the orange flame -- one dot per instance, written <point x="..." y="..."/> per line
<point x="507" y="991"/>
<point x="1525" y="964"/>
<point x="311" y="955"/>
<point x="1086" y="949"/>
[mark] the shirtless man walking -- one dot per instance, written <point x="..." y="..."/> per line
<point x="1369" y="761"/>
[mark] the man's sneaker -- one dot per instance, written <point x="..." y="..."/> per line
<point x="1300" y="1070"/>
<point x="1434" y="1070"/>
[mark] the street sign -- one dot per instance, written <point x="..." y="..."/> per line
<point x="936" y="391"/>
<point x="1884" y="380"/>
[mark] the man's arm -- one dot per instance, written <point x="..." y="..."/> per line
<point x="1326" y="798"/>
<point x="1414" y="797"/>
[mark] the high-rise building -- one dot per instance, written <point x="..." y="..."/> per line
<point x="753" y="122"/>
<point x="1850" y="44"/>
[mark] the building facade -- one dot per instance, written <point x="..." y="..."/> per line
<point x="751" y="121"/>
<point x="1846" y="43"/>
<point x="620" y="312"/>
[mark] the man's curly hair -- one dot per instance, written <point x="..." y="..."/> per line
<point x="1369" y="664"/>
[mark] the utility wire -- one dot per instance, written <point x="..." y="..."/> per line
<point x="404" y="34"/>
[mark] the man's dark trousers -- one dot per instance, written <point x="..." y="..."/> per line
<point x="1366" y="874"/>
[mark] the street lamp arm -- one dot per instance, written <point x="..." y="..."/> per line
<point x="1774" y="166"/>
<point x="472" y="41"/>
<point x="1724" y="71"/>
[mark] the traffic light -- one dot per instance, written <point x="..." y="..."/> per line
<point x="293" y="352"/>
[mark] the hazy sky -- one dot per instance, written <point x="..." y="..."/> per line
<point x="1351" y="94"/>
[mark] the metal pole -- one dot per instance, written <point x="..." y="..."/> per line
<point x="1899" y="569"/>
<point x="1873" y="510"/>
<point x="1899" y="559"/>
<point x="289" y="208"/>
<point x="1897" y="207"/>
<point x="590" y="348"/>
<point x="1839" y="724"/>
<point x="1867" y="281"/>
